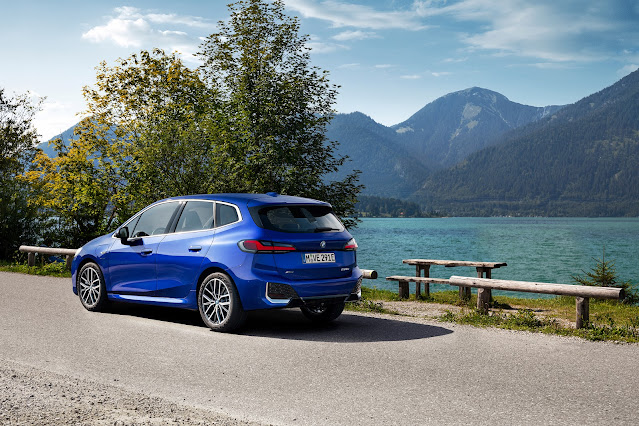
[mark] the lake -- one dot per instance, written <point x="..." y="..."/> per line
<point x="536" y="249"/>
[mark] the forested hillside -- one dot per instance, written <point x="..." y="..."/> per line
<point x="582" y="161"/>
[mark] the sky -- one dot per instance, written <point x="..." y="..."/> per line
<point x="389" y="57"/>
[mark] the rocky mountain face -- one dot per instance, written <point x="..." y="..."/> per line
<point x="579" y="161"/>
<point x="454" y="126"/>
<point x="396" y="160"/>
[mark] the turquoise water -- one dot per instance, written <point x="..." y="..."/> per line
<point x="536" y="249"/>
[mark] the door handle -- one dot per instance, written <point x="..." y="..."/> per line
<point x="195" y="248"/>
<point x="146" y="252"/>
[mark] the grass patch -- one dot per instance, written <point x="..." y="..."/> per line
<point x="609" y="320"/>
<point x="526" y="320"/>
<point x="56" y="269"/>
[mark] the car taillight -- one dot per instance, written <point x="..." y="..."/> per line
<point x="256" y="246"/>
<point x="351" y="245"/>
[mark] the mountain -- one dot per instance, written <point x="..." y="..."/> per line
<point x="454" y="126"/>
<point x="396" y="160"/>
<point x="387" y="168"/>
<point x="580" y="161"/>
<point x="66" y="136"/>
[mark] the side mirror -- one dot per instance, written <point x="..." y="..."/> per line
<point x="123" y="234"/>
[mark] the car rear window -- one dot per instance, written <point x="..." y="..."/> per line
<point x="298" y="219"/>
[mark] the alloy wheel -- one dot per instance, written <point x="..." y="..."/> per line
<point x="90" y="286"/>
<point x="216" y="301"/>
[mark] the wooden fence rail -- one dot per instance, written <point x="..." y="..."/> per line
<point x="582" y="293"/>
<point x="32" y="250"/>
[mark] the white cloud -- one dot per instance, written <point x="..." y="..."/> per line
<point x="411" y="77"/>
<point x="344" y="14"/>
<point x="133" y="27"/>
<point x="316" y="45"/>
<point x="624" y="71"/>
<point x="455" y="60"/>
<point x="440" y="74"/>
<point x="550" y="30"/>
<point x="384" y="66"/>
<point x="123" y="32"/>
<point x="54" y="118"/>
<point x="354" y="35"/>
<point x="349" y="66"/>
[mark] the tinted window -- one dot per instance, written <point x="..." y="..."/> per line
<point x="226" y="214"/>
<point x="197" y="215"/>
<point x="299" y="219"/>
<point x="155" y="220"/>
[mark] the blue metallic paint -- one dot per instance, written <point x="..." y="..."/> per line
<point x="165" y="270"/>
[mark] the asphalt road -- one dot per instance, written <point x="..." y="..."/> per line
<point x="280" y="369"/>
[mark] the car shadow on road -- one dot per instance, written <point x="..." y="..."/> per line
<point x="291" y="324"/>
<point x="348" y="328"/>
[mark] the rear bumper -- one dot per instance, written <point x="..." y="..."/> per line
<point x="277" y="293"/>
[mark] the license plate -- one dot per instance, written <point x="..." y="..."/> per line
<point x="319" y="258"/>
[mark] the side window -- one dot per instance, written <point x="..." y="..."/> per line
<point x="155" y="220"/>
<point x="197" y="215"/>
<point x="225" y="214"/>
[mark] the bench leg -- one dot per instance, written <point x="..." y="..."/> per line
<point x="69" y="260"/>
<point x="483" y="300"/>
<point x="464" y="293"/>
<point x="418" y="290"/>
<point x="403" y="290"/>
<point x="583" y="311"/>
<point x="31" y="259"/>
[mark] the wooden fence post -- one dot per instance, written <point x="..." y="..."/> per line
<point x="583" y="311"/>
<point x="483" y="300"/>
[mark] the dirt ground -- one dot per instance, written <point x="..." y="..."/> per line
<point x="33" y="397"/>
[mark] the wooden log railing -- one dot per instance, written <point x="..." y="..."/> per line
<point x="32" y="250"/>
<point x="582" y="293"/>
<point x="369" y="274"/>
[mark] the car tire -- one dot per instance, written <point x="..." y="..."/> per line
<point x="91" y="287"/>
<point x="324" y="312"/>
<point x="219" y="303"/>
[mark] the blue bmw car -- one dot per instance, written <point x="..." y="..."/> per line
<point x="223" y="255"/>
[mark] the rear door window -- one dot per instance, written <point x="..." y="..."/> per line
<point x="299" y="219"/>
<point x="196" y="216"/>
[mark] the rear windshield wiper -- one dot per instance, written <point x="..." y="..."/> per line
<point x="325" y="229"/>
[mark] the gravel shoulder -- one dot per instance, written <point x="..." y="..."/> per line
<point x="29" y="396"/>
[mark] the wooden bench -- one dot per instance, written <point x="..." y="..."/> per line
<point x="403" y="281"/>
<point x="32" y="250"/>
<point x="582" y="293"/>
<point x="484" y="269"/>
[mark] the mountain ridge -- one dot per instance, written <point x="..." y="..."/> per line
<point x="580" y="161"/>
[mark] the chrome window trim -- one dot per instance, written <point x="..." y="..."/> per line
<point x="237" y="210"/>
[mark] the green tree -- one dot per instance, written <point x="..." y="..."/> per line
<point x="18" y="138"/>
<point x="278" y="107"/>
<point x="147" y="136"/>
<point x="604" y="274"/>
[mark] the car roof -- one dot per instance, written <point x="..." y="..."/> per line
<point x="251" y="199"/>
